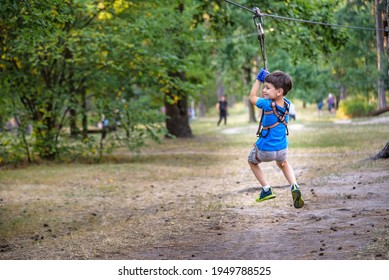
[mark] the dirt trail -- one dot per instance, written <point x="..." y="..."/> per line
<point x="349" y="220"/>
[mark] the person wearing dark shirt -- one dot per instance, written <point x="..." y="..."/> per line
<point x="221" y="106"/>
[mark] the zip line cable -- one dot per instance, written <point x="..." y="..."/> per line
<point x="227" y="39"/>
<point x="305" y="21"/>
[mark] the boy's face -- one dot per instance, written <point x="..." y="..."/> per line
<point x="270" y="92"/>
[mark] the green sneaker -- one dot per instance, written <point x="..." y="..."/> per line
<point x="298" y="201"/>
<point x="265" y="195"/>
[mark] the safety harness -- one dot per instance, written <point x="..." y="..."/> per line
<point x="281" y="119"/>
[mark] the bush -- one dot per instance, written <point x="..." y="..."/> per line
<point x="12" y="149"/>
<point x="357" y="107"/>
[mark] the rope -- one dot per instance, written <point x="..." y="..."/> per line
<point x="306" y="21"/>
<point x="257" y="17"/>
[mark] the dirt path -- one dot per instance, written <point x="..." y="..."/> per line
<point x="346" y="221"/>
<point x="340" y="222"/>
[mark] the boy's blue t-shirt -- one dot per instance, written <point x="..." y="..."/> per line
<point x="274" y="139"/>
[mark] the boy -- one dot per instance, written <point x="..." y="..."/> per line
<point x="272" y="143"/>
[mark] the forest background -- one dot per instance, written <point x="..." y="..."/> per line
<point x="66" y="66"/>
<point x="87" y="86"/>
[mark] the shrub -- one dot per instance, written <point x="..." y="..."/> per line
<point x="357" y="106"/>
<point x="12" y="149"/>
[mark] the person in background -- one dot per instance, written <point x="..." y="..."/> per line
<point x="320" y="105"/>
<point x="331" y="103"/>
<point x="221" y="107"/>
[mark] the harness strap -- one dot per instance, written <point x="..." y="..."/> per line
<point x="259" y="130"/>
<point x="280" y="118"/>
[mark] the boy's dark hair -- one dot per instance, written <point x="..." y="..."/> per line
<point x="280" y="79"/>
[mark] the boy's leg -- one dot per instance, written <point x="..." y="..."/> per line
<point x="287" y="169"/>
<point x="266" y="192"/>
<point x="258" y="173"/>
<point x="254" y="161"/>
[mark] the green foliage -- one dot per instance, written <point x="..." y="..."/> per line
<point x="136" y="121"/>
<point x="12" y="149"/>
<point x="60" y="60"/>
<point x="294" y="47"/>
<point x="354" y="67"/>
<point x="304" y="40"/>
<point x="357" y="106"/>
<point x="65" y="63"/>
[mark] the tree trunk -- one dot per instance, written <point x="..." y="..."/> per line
<point x="387" y="39"/>
<point x="84" y="114"/>
<point x="220" y="86"/>
<point x="46" y="142"/>
<point x="176" y="101"/>
<point x="176" y="106"/>
<point x="343" y="92"/>
<point x="379" y="112"/>
<point x="73" y="123"/>
<point x="202" y="108"/>
<point x="380" y="56"/>
<point x="74" y="130"/>
<point x="247" y="80"/>
<point x="177" y="120"/>
<point x="382" y="154"/>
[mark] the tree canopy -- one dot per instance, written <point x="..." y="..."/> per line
<point x="66" y="64"/>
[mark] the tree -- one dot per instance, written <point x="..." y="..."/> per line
<point x="33" y="54"/>
<point x="58" y="57"/>
<point x="384" y="153"/>
<point x="170" y="42"/>
<point x="176" y="98"/>
<point x="380" y="54"/>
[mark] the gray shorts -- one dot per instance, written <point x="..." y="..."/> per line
<point x="257" y="156"/>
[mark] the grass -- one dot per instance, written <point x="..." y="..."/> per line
<point x="83" y="211"/>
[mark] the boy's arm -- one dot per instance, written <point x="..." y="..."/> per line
<point x="257" y="86"/>
<point x="253" y="97"/>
